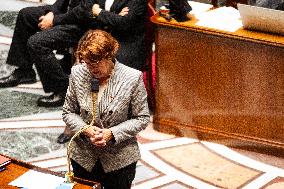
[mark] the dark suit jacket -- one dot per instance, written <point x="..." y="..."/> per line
<point x="129" y="30"/>
<point x="280" y="6"/>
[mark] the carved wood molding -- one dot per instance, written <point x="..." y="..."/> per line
<point x="168" y="124"/>
<point x="241" y="34"/>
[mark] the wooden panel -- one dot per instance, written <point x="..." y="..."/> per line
<point x="222" y="83"/>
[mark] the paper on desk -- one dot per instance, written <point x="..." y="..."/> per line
<point x="35" y="180"/>
<point x="223" y="18"/>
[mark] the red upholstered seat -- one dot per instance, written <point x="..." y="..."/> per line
<point x="149" y="73"/>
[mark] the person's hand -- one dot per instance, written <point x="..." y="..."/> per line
<point x="46" y="21"/>
<point x="190" y="16"/>
<point x="91" y="131"/>
<point x="107" y="135"/>
<point x="124" y="11"/>
<point x="96" y="136"/>
<point x="96" y="9"/>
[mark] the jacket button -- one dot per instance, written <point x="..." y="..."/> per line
<point x="110" y="112"/>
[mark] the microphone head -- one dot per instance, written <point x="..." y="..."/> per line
<point x="95" y="85"/>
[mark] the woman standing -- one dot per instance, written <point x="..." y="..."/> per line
<point x="108" y="151"/>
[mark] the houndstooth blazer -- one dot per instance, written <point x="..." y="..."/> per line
<point x="123" y="109"/>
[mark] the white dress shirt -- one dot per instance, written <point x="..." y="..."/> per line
<point x="108" y="4"/>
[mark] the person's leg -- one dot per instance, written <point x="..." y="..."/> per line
<point x="26" y="26"/>
<point x="81" y="172"/>
<point x="280" y="6"/>
<point x="52" y="76"/>
<point x="119" y="179"/>
<point x="66" y="62"/>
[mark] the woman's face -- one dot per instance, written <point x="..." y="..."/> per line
<point x="100" y="69"/>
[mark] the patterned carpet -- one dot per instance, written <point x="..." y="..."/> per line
<point x="26" y="104"/>
<point x="29" y="133"/>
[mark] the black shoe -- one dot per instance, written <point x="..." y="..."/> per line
<point x="18" y="77"/>
<point x="63" y="138"/>
<point x="54" y="100"/>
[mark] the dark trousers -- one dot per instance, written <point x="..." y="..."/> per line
<point x="119" y="179"/>
<point x="280" y="6"/>
<point x="30" y="45"/>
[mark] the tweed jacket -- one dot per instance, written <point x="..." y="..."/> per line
<point x="123" y="109"/>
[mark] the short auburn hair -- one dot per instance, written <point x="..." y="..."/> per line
<point x="96" y="45"/>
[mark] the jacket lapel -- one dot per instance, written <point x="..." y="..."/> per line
<point x="117" y="5"/>
<point x="102" y="3"/>
<point x="112" y="89"/>
<point x="87" y="95"/>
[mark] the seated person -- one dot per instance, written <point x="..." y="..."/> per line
<point x="107" y="151"/>
<point x="34" y="39"/>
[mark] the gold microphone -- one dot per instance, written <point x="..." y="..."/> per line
<point x="69" y="176"/>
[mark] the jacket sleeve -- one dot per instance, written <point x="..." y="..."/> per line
<point x="139" y="115"/>
<point x="137" y="11"/>
<point x="78" y="15"/>
<point x="71" y="110"/>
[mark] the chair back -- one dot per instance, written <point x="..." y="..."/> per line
<point x="150" y="33"/>
<point x="149" y="72"/>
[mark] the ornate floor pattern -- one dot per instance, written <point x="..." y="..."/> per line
<point x="167" y="162"/>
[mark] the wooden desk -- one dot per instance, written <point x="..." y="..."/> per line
<point x="17" y="168"/>
<point x="222" y="83"/>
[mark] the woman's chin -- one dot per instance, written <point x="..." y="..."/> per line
<point x="96" y="75"/>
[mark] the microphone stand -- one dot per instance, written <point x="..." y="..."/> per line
<point x="69" y="176"/>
